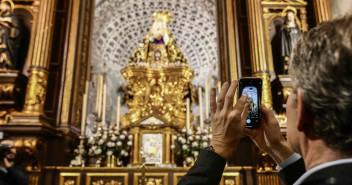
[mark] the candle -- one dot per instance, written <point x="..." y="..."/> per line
<point x="206" y="84"/>
<point x="188" y="121"/>
<point x="118" y="112"/>
<point x="97" y="94"/>
<point x="103" y="120"/>
<point x="84" y="113"/>
<point x="101" y="82"/>
<point x="200" y="107"/>
<point x="219" y="86"/>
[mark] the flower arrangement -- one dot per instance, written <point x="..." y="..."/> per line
<point x="107" y="142"/>
<point x="190" y="143"/>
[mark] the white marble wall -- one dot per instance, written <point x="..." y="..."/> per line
<point x="340" y="7"/>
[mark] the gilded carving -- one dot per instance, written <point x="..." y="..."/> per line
<point x="230" y="182"/>
<point x="151" y="181"/>
<point x="36" y="90"/>
<point x="158" y="77"/>
<point x="69" y="182"/>
<point x="107" y="182"/>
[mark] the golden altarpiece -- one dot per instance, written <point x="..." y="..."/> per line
<point x="40" y="102"/>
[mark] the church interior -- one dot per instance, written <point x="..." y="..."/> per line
<point x="112" y="92"/>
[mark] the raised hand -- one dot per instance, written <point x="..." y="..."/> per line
<point x="268" y="136"/>
<point x="227" y="121"/>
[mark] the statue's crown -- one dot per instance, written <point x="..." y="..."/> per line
<point x="163" y="15"/>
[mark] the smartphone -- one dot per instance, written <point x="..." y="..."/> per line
<point x="253" y="88"/>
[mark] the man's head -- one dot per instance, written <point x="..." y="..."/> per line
<point x="11" y="154"/>
<point x="321" y="70"/>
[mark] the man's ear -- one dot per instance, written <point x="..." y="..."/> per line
<point x="305" y="117"/>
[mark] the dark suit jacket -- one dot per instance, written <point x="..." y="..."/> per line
<point x="15" y="175"/>
<point x="340" y="174"/>
<point x="206" y="170"/>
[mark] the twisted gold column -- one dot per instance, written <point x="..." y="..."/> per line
<point x="259" y="55"/>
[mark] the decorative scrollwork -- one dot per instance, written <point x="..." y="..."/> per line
<point x="107" y="182"/>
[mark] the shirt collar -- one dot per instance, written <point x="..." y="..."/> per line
<point x="319" y="167"/>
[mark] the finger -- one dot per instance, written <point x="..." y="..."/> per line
<point x="240" y="103"/>
<point x="230" y="96"/>
<point x="220" y="102"/>
<point x="244" y="114"/>
<point x="248" y="131"/>
<point x="212" y="101"/>
<point x="268" y="115"/>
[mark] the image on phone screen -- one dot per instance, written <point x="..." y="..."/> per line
<point x="253" y="88"/>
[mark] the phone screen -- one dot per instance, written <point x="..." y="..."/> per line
<point x="253" y="88"/>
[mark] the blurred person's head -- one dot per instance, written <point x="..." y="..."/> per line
<point x="11" y="153"/>
<point x="320" y="106"/>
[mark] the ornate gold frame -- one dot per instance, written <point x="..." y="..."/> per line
<point x="236" y="175"/>
<point x="69" y="174"/>
<point x="90" y="175"/>
<point x="164" y="176"/>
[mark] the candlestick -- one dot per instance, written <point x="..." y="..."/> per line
<point x="206" y="84"/>
<point x="188" y="121"/>
<point x="87" y="87"/>
<point x="103" y="119"/>
<point x="118" y="112"/>
<point x="200" y="107"/>
<point x="84" y="114"/>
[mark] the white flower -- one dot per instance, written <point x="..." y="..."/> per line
<point x="174" y="137"/>
<point x="123" y="152"/>
<point x="189" y="132"/>
<point x="124" y="132"/>
<point x="94" y="147"/>
<point x="130" y="137"/>
<point x="184" y="147"/>
<point x="210" y="136"/>
<point x="190" y="138"/>
<point x="188" y="160"/>
<point x="205" y="144"/>
<point x="109" y="153"/>
<point x="180" y="139"/>
<point x="196" y="153"/>
<point x="129" y="143"/>
<point x="97" y="151"/>
<point x="111" y="144"/>
<point x="204" y="138"/>
<point x="184" y="130"/>
<point x="183" y="141"/>
<point x="206" y="131"/>
<point x="91" y="140"/>
<point x="195" y="144"/>
<point x="119" y="143"/>
<point x="126" y="154"/>
<point x="116" y="132"/>
<point x="122" y="137"/>
<point x="113" y="138"/>
<point x="104" y="137"/>
<point x="197" y="137"/>
<point x="172" y="147"/>
<point x="100" y="142"/>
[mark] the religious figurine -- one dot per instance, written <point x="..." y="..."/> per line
<point x="289" y="35"/>
<point x="9" y="35"/>
<point x="159" y="48"/>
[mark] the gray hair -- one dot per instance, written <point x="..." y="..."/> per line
<point x="321" y="66"/>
